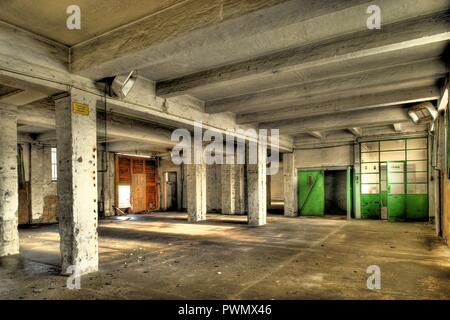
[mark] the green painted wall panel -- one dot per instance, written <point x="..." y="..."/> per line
<point x="370" y="206"/>
<point x="417" y="207"/>
<point x="396" y="207"/>
<point x="311" y="192"/>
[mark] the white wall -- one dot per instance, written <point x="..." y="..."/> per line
<point x="324" y="157"/>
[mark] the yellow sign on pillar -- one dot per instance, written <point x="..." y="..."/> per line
<point x="80" y="108"/>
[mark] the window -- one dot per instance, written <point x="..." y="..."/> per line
<point x="124" y="196"/>
<point x="54" y="165"/>
<point x="410" y="155"/>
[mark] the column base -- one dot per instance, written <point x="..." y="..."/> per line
<point x="9" y="241"/>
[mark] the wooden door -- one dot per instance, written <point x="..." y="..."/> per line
<point x="138" y="192"/>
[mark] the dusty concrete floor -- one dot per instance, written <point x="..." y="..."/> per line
<point x="161" y="256"/>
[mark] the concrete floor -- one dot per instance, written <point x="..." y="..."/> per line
<point x="161" y="256"/>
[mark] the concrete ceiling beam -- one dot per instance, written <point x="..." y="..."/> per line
<point x="131" y="46"/>
<point x="39" y="64"/>
<point x="341" y="121"/>
<point x="426" y="73"/>
<point x="357" y="103"/>
<point x="357" y="132"/>
<point x="117" y="127"/>
<point x="343" y="138"/>
<point x="195" y="35"/>
<point x="134" y="147"/>
<point x="443" y="99"/>
<point x="316" y="134"/>
<point x="419" y="32"/>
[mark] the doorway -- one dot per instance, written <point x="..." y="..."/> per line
<point x="171" y="191"/>
<point x="136" y="184"/>
<point x="336" y="192"/>
<point x="325" y="192"/>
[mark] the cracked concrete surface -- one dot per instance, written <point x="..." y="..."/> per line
<point x="161" y="256"/>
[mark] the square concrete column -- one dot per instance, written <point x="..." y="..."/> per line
<point x="196" y="188"/>
<point x="239" y="185"/>
<point x="228" y="188"/>
<point x="290" y="185"/>
<point x="257" y="187"/>
<point x="76" y="133"/>
<point x="37" y="182"/>
<point x="9" y="193"/>
<point x="268" y="191"/>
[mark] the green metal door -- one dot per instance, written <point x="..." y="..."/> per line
<point x="311" y="189"/>
<point x="396" y="190"/>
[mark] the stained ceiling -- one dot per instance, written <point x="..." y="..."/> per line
<point x="48" y="17"/>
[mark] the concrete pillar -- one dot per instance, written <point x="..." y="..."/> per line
<point x="268" y="192"/>
<point x="214" y="190"/>
<point x="76" y="135"/>
<point x="196" y="192"/>
<point x="228" y="188"/>
<point x="9" y="193"/>
<point x="256" y="184"/>
<point x="37" y="181"/>
<point x="239" y="188"/>
<point x="290" y="185"/>
<point x="106" y="180"/>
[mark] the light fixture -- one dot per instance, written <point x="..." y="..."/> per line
<point x="122" y="84"/>
<point x="424" y="112"/>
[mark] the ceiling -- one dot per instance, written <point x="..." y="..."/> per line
<point x="48" y="17"/>
<point x="7" y="90"/>
<point x="310" y="69"/>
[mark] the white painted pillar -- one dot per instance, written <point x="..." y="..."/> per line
<point x="228" y="188"/>
<point x="290" y="185"/>
<point x="9" y="193"/>
<point x="256" y="184"/>
<point x="196" y="192"/>
<point x="37" y="181"/>
<point x="77" y="180"/>
<point x="239" y="187"/>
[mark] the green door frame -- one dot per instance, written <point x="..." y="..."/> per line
<point x="349" y="193"/>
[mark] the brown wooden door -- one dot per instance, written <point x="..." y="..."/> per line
<point x="138" y="190"/>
